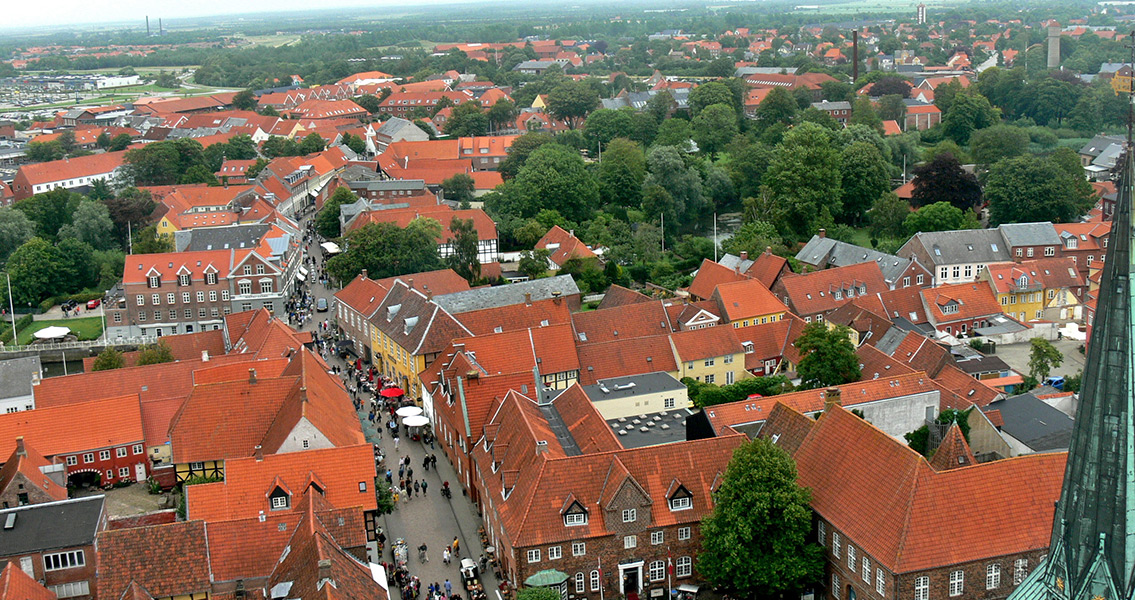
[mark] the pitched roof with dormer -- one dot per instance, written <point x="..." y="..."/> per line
<point x="77" y="427"/>
<point x="740" y="300"/>
<point x="709" y="276"/>
<point x="886" y="499"/>
<point x="563" y="246"/>
<point x="822" y="291"/>
<point x="965" y="301"/>
<point x="627" y="321"/>
<point x="26" y="461"/>
<point x="414" y="322"/>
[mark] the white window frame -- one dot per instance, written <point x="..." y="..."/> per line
<point x="837" y="546"/>
<point x="656" y="570"/>
<point x="957" y="583"/>
<point x="279" y="502"/>
<point x="71" y="589"/>
<point x="575" y="519"/>
<point x="629" y="515"/>
<point x="555" y="552"/>
<point x="880" y="582"/>
<point x="866" y="569"/>
<point x="684" y="533"/>
<point x="684" y="566"/>
<point x="534" y="555"/>
<point x="922" y="588"/>
<point x="656" y="537"/>
<point x="594" y="580"/>
<point x="578" y="548"/>
<point x="104" y="454"/>
<point x="992" y="576"/>
<point x="580" y="583"/>
<point x="836" y="591"/>
<point x="681" y="503"/>
<point x="1020" y="570"/>
<point x="630" y="541"/>
<point x="58" y="561"/>
<point x="851" y="562"/>
<point x="120" y="452"/>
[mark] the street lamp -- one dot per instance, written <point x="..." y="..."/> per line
<point x="11" y="308"/>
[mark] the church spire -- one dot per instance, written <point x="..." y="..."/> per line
<point x="1092" y="552"/>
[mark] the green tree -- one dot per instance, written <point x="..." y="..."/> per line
<point x="940" y="216"/>
<point x="888" y="216"/>
<point x="683" y="184"/>
<point x="327" y="221"/>
<point x="969" y="112"/>
<point x="50" y="210"/>
<point x="78" y="270"/>
<point x="67" y="141"/>
<point x="673" y="132"/>
<point x="370" y="103"/>
<point x="91" y="223"/>
<point x="34" y="268"/>
<point x="755" y="543"/>
<point x="129" y="209"/>
<point x="753" y="237"/>
<point x="108" y="359"/>
<point x="1030" y="188"/>
<point x="919" y="439"/>
<point x="277" y="146"/>
<point x="1043" y="356"/>
<point x="15" y="229"/>
<point x="533" y="263"/>
<point x="778" y="107"/>
<point x="827" y="356"/>
<point x="386" y="250"/>
<point x="994" y="143"/>
<point x="747" y="166"/>
<point x="942" y="179"/>
<point x="519" y="152"/>
<point x="356" y="143"/>
<point x="384" y="497"/>
<point x="464" y="260"/>
<point x="244" y="100"/>
<point x="103" y="140"/>
<point x="158" y="163"/>
<point x="708" y="94"/>
<point x="805" y="181"/>
<point x="621" y="173"/>
<point x="863" y="113"/>
<point x="836" y="91"/>
<point x="148" y="241"/>
<point x="120" y="142"/>
<point x="572" y="100"/>
<point x="467" y="120"/>
<point x="459" y="188"/>
<point x="864" y="180"/>
<point x="556" y="178"/>
<point x="714" y="127"/>
<point x="312" y="143"/>
<point x="152" y="354"/>
<point x="43" y="151"/>
<point x="606" y="124"/>
<point x="892" y="108"/>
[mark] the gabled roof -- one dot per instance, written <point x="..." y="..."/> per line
<point x="539" y="313"/>
<point x="77" y="427"/>
<point x="773" y="340"/>
<point x="52" y="525"/>
<point x="953" y="452"/>
<point x="27" y="462"/>
<point x="627" y="321"/>
<point x="258" y="334"/>
<point x="563" y="246"/>
<point x="739" y="300"/>
<point x="625" y="357"/>
<point x="435" y="283"/>
<point x="618" y="295"/>
<point x="363" y="295"/>
<point x="825" y="252"/>
<point x="561" y="286"/>
<point x="248" y="481"/>
<point x="17" y="585"/>
<point x="886" y="499"/>
<point x="71" y="168"/>
<point x="129" y="555"/>
<point x="709" y="276"/>
<point x="960" y="246"/>
<point x="699" y="344"/>
<point x="767" y="267"/>
<point x="815" y="292"/>
<point x="414" y="322"/>
<point x="973" y="301"/>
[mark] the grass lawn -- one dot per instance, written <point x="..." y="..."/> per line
<point x="87" y="328"/>
<point x="862" y="237"/>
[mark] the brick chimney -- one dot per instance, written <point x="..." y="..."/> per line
<point x="324" y="571"/>
<point x="768" y="250"/>
<point x="527" y="299"/>
<point x="832" y="397"/>
<point x="258" y="453"/>
<point x="823" y="233"/>
<point x="410" y="283"/>
<point x="744" y="255"/>
<point x="252" y="375"/>
<point x="364" y="274"/>
<point x="20" y="449"/>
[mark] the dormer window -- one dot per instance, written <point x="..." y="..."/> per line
<point x="248" y="269"/>
<point x="211" y="278"/>
<point x="183" y="280"/>
<point x="572" y="519"/>
<point x="155" y="281"/>
<point x="681" y="499"/>
<point x="279" y="499"/>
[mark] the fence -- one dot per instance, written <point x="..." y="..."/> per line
<point x="52" y="346"/>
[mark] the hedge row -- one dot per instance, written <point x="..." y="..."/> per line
<point x="80" y="297"/>
<point x="6" y="329"/>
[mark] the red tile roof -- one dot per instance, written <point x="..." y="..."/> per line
<point x="563" y="246"/>
<point x="539" y="313"/>
<point x="436" y="283"/>
<point x="485" y="226"/>
<point x="709" y="276"/>
<point x="618" y="295"/>
<point x="185" y="346"/>
<point x="79" y="427"/>
<point x="886" y="499"/>
<point x="973" y="301"/>
<point x="627" y="321"/>
<point x="363" y="295"/>
<point x="874" y="364"/>
<point x="248" y="482"/>
<point x="773" y="340"/>
<point x="126" y="555"/>
<point x="28" y="463"/>
<point x="17" y="585"/>
<point x="767" y="268"/>
<point x="71" y="168"/>
<point x="699" y="344"/>
<point x="966" y="391"/>
<point x="740" y="300"/>
<point x="815" y="292"/>
<point x="953" y="452"/>
<point x="1051" y="273"/>
<point x="619" y="358"/>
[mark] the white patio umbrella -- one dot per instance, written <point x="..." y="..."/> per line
<point x="415" y="420"/>
<point x="408" y="411"/>
<point x="51" y="333"/>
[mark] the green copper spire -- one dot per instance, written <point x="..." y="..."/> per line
<point x="1092" y="553"/>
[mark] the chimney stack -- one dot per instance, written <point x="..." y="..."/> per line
<point x="364" y="273"/>
<point x="768" y="250"/>
<point x="744" y="255"/>
<point x="832" y="398"/>
<point x="527" y="299"/>
<point x="252" y="375"/>
<point x="258" y="453"/>
<point x="20" y="450"/>
<point x="204" y="356"/>
<point x="325" y="569"/>
<point x="410" y="281"/>
<point x="556" y="298"/>
<point x="855" y="55"/>
<point x="823" y="233"/>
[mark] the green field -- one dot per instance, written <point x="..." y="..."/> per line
<point x="272" y="41"/>
<point x="87" y="328"/>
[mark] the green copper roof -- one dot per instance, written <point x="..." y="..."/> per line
<point x="1092" y="552"/>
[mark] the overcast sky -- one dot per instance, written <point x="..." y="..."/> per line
<point x="22" y="13"/>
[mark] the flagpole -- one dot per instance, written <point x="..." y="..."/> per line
<point x="599" y="563"/>
<point x="670" y="568"/>
<point x="714" y="237"/>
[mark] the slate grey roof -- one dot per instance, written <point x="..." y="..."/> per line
<point x="220" y="238"/>
<point x="632" y="385"/>
<point x="964" y="246"/>
<point x="824" y="252"/>
<point x="1098" y="144"/>
<point x="396" y="126"/>
<point x="825" y="105"/>
<point x="386" y="185"/>
<point x="1034" y="423"/>
<point x="51" y="526"/>
<point x="1030" y="234"/>
<point x="735" y="263"/>
<point x="504" y="295"/>
<point x="534" y="64"/>
<point x="743" y="72"/>
<point x="17" y="375"/>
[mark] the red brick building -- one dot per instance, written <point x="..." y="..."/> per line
<point x="881" y="520"/>
<point x="61" y="557"/>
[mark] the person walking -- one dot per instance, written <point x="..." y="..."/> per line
<point x="456" y="547"/>
<point x="445" y="556"/>
<point x="426" y="463"/>
<point x="424" y="484"/>
<point x="433" y="461"/>
<point x="395" y="494"/>
<point x="448" y="587"/>
<point x="395" y="440"/>
<point x="409" y="472"/>
<point x="417" y="487"/>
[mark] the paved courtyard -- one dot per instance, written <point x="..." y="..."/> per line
<point x="1017" y="356"/>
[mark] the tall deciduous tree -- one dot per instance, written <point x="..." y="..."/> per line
<point x="244" y="100"/>
<point x="554" y="177"/>
<point x="756" y="542"/>
<point x="519" y="152"/>
<point x="778" y="107"/>
<point x="15" y="229"/>
<point x="108" y="359"/>
<point x="943" y="180"/>
<point x="129" y="209"/>
<point x="571" y="101"/>
<point x="1043" y="356"/>
<point x="621" y="173"/>
<point x="34" y="269"/>
<point x="1030" y="188"/>
<point x="467" y="120"/>
<point x="459" y="188"/>
<point x="464" y="260"/>
<point x="153" y="354"/>
<point x="864" y="180"/>
<point x="327" y="221"/>
<point x="940" y="216"/>
<point x="683" y="184"/>
<point x="804" y="179"/>
<point x="91" y="223"/>
<point x="888" y="213"/>
<point x="714" y="127"/>
<point x="386" y="250"/>
<point x="863" y="113"/>
<point x="706" y="95"/>
<point x="50" y="210"/>
<point x="968" y="112"/>
<point x="992" y="144"/>
<point x="827" y="356"/>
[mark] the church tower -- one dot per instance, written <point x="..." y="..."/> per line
<point x="1092" y="551"/>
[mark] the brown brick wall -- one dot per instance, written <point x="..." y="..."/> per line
<point x="22" y="485"/>
<point x="50" y="578"/>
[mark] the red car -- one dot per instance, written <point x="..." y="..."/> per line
<point x="93" y="304"/>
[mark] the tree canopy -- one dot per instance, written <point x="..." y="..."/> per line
<point x="827" y="356"/>
<point x="386" y="250"/>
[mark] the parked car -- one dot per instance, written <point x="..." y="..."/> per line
<point x="1056" y="382"/>
<point x="93" y="304"/>
<point x="321" y="305"/>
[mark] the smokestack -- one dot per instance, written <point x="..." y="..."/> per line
<point x="147" y="25"/>
<point x="855" y="55"/>
<point x="159" y="25"/>
<point x="258" y="453"/>
<point x="324" y="570"/>
<point x="364" y="273"/>
<point x="252" y="375"/>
